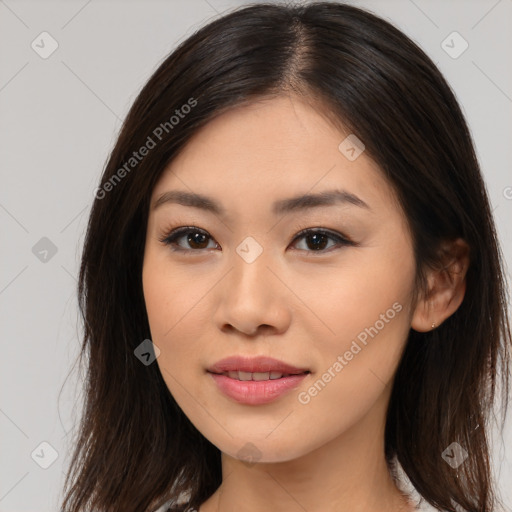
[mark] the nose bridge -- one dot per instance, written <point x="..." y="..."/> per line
<point x="250" y="276"/>
<point x="250" y="296"/>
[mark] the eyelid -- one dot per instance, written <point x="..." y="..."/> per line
<point x="323" y="231"/>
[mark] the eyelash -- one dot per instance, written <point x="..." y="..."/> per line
<point x="171" y="236"/>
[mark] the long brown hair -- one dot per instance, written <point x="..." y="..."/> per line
<point x="135" y="448"/>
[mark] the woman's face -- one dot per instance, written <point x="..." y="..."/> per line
<point x="240" y="282"/>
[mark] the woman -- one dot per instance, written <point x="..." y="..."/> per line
<point x="291" y="283"/>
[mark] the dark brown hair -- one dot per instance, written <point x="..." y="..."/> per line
<point x="135" y="448"/>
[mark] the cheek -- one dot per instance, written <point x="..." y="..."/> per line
<point x="370" y="319"/>
<point x="352" y="297"/>
<point x="366" y="307"/>
<point x="176" y="314"/>
<point x="169" y="294"/>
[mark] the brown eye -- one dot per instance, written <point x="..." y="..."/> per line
<point x="195" y="239"/>
<point x="317" y="240"/>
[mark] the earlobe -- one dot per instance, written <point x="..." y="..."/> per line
<point x="446" y="287"/>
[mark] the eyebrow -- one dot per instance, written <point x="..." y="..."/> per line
<point x="293" y="204"/>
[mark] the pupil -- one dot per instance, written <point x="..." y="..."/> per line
<point x="196" y="239"/>
<point x="317" y="237"/>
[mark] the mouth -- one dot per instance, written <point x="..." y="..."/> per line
<point x="256" y="392"/>
<point x="254" y="368"/>
<point x="258" y="376"/>
<point x="255" y="381"/>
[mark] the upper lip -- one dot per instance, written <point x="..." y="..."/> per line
<point x="260" y="364"/>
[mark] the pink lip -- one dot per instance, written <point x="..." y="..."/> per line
<point x="254" y="365"/>
<point x="254" y="392"/>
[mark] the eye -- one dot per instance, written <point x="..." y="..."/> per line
<point x="316" y="239"/>
<point x="195" y="237"/>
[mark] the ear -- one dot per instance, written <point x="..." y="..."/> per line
<point x="446" y="287"/>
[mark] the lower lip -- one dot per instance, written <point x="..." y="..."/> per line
<point x="256" y="392"/>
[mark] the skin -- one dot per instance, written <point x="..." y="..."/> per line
<point x="299" y="305"/>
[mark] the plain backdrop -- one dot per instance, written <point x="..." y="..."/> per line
<point x="59" y="117"/>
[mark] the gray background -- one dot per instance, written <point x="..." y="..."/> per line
<point x="59" y="118"/>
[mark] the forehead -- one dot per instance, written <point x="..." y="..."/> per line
<point x="269" y="150"/>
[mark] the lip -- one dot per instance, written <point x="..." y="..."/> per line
<point x="256" y="392"/>
<point x="254" y="365"/>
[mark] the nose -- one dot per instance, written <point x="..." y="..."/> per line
<point x="251" y="299"/>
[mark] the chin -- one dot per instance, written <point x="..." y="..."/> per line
<point x="253" y="450"/>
